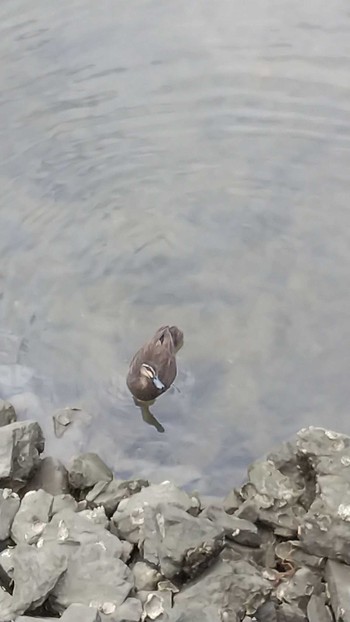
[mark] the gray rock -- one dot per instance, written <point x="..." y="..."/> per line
<point x="6" y="610"/>
<point x="66" y="417"/>
<point x="20" y="446"/>
<point x="32" y="517"/>
<point x="227" y="591"/>
<point x="325" y="529"/>
<point x="129" y="516"/>
<point x="176" y="542"/>
<point x="94" y="577"/>
<point x="31" y="619"/>
<point x="129" y="611"/>
<point x="146" y="577"/>
<point x="293" y="552"/>
<point x="275" y="496"/>
<point x="63" y="502"/>
<point x="338" y="581"/>
<point x="36" y="572"/>
<point x="7" y="413"/>
<point x="6" y="561"/>
<point x="317" y="610"/>
<point x="232" y="502"/>
<point x="95" y="573"/>
<point x="109" y="494"/>
<point x="86" y="470"/>
<point x="81" y="613"/>
<point x="97" y="516"/>
<point x="50" y="476"/>
<point x="290" y="613"/>
<point x="266" y="612"/>
<point x="298" y="588"/>
<point x="236" y="529"/>
<point x="9" y="504"/>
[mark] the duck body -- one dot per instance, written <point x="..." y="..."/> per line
<point x="153" y="368"/>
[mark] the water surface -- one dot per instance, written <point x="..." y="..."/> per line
<point x="185" y="163"/>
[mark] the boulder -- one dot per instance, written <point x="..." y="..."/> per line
<point x="32" y="517"/>
<point x="9" y="504"/>
<point x="129" y="516"/>
<point x="109" y="494"/>
<point x="20" y="446"/>
<point x="86" y="470"/>
<point x="7" y="413"/>
<point x="177" y="542"/>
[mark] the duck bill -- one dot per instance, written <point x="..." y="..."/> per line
<point x="157" y="383"/>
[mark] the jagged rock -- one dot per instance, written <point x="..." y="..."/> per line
<point x="35" y="573"/>
<point x="63" y="502"/>
<point x="146" y="577"/>
<point x="50" y="476"/>
<point x="129" y="516"/>
<point x="237" y="529"/>
<point x="275" y="496"/>
<point x="9" y="504"/>
<point x="338" y="581"/>
<point x="129" y="611"/>
<point x="317" y="610"/>
<point x="290" y="613"/>
<point x="232" y="502"/>
<point x="87" y="470"/>
<point x="298" y="588"/>
<point x="325" y="529"/>
<point x="293" y="552"/>
<point x="175" y="541"/>
<point x="109" y="494"/>
<point x="266" y="612"/>
<point x="7" y="413"/>
<point x="20" y="446"/>
<point x="80" y="613"/>
<point x="32" y="516"/>
<point x="95" y="571"/>
<point x="97" y="516"/>
<point x="226" y="591"/>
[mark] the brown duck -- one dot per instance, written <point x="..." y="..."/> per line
<point x="153" y="368"/>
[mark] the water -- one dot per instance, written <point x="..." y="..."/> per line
<point x="178" y="163"/>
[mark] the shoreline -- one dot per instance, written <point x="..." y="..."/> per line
<point x="77" y="544"/>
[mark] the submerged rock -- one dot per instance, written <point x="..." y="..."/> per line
<point x="86" y="470"/>
<point x="20" y="446"/>
<point x="7" y="413"/>
<point x="9" y="504"/>
<point x="129" y="516"/>
<point x="50" y="476"/>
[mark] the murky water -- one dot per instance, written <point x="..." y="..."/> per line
<point x="183" y="162"/>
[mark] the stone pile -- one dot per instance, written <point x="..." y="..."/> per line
<point x="80" y="545"/>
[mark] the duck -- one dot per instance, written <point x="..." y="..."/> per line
<point x="153" y="368"/>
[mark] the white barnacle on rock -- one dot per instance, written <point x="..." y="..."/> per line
<point x="331" y="435"/>
<point x="8" y="492"/>
<point x="345" y="460"/>
<point x="160" y="523"/>
<point x="153" y="607"/>
<point x="108" y="608"/>
<point x="344" y="512"/>
<point x="62" y="532"/>
<point x="236" y="532"/>
<point x="137" y="516"/>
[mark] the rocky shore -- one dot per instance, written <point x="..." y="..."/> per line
<point x="80" y="545"/>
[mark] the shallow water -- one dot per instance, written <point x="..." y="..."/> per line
<point x="185" y="163"/>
